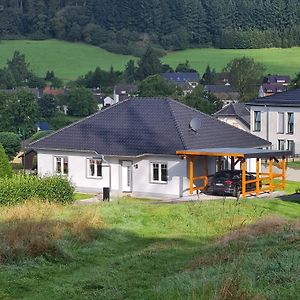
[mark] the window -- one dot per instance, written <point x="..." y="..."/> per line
<point x="280" y="122"/>
<point x="290" y="145"/>
<point x="257" y="121"/>
<point x="290" y="128"/>
<point x="95" y="168"/>
<point x="61" y="165"/>
<point x="281" y="144"/>
<point x="159" y="172"/>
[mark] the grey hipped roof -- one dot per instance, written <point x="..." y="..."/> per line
<point x="289" y="98"/>
<point x="140" y="126"/>
<point x="237" y="110"/>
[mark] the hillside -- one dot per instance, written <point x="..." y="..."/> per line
<point x="70" y="60"/>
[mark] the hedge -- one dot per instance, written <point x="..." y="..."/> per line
<point x="23" y="187"/>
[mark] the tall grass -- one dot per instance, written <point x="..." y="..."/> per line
<point x="22" y="187"/>
<point x="34" y="229"/>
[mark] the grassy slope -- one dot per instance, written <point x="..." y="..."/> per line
<point x="68" y="60"/>
<point x="283" y="61"/>
<point x="146" y="252"/>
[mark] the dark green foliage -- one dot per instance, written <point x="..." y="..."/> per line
<point x="81" y="103"/>
<point x="18" y="113"/>
<point x="60" y="120"/>
<point x="156" y="86"/>
<point x="11" y="143"/>
<point x="40" y="134"/>
<point x="203" y="101"/>
<point x="21" y="187"/>
<point x="184" y="67"/>
<point x="245" y="75"/>
<point x="130" y="26"/>
<point x="47" y="106"/>
<point x="5" y="167"/>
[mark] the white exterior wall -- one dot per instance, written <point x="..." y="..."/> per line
<point x="273" y="134"/>
<point x="178" y="178"/>
<point x="234" y="122"/>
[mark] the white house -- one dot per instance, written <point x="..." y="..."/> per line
<point x="276" y="118"/>
<point x="131" y="147"/>
<point x="235" y="114"/>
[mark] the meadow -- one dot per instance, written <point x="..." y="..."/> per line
<point x="134" y="249"/>
<point x="70" y="60"/>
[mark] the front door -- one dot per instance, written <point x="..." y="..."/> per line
<point x="126" y="176"/>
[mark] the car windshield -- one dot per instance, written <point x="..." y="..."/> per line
<point x="222" y="176"/>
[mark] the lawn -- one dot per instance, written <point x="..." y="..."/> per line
<point x="157" y="251"/>
<point x="294" y="164"/>
<point x="277" y="61"/>
<point x="70" y="60"/>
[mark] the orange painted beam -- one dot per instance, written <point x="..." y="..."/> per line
<point x="191" y="175"/>
<point x="271" y="174"/>
<point x="257" y="179"/>
<point x="283" y="173"/>
<point x="205" y="171"/>
<point x="192" y="153"/>
<point x="244" y="170"/>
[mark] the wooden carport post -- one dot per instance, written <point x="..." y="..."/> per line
<point x="283" y="173"/>
<point x="206" y="171"/>
<point x="271" y="174"/>
<point x="257" y="176"/>
<point x="244" y="170"/>
<point x="232" y="163"/>
<point x="191" y="175"/>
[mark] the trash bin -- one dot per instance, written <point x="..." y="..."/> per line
<point x="106" y="194"/>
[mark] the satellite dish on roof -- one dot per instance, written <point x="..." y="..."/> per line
<point x="195" y="124"/>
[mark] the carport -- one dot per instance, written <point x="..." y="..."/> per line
<point x="264" y="181"/>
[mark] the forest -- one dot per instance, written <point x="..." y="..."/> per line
<point x="129" y="26"/>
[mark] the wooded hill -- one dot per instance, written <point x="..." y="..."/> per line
<point x="127" y="26"/>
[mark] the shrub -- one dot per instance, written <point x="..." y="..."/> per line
<point x="5" y="167"/>
<point x="23" y="187"/>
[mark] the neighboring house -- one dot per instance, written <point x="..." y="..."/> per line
<point x="235" y="114"/>
<point x="221" y="78"/>
<point x="35" y="91"/>
<point x="54" y="92"/>
<point x="42" y="126"/>
<point x="124" y="91"/>
<point x="131" y="147"/>
<point x="188" y="81"/>
<point x="269" y="89"/>
<point x="225" y="93"/>
<point x="277" y="119"/>
<point x="273" y="84"/>
<point x="98" y="96"/>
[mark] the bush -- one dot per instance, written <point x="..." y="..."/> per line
<point x="20" y="188"/>
<point x="5" y="168"/>
<point x="11" y="142"/>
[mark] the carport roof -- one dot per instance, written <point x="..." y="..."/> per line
<point x="236" y="152"/>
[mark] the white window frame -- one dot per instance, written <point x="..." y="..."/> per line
<point x="159" y="172"/>
<point x="95" y="176"/>
<point x="260" y="120"/>
<point x="288" y="123"/>
<point x="63" y="158"/>
<point x="279" y="116"/>
<point x="283" y="144"/>
<point x="290" y="142"/>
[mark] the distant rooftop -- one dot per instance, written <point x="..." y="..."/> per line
<point x="181" y="77"/>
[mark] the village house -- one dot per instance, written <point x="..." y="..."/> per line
<point x="225" y="93"/>
<point x="188" y="81"/>
<point x="123" y="92"/>
<point x="276" y="118"/>
<point x="235" y="114"/>
<point x="273" y="84"/>
<point x="131" y="147"/>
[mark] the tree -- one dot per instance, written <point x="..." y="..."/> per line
<point x="130" y="72"/>
<point x="245" y="75"/>
<point x="11" y="143"/>
<point x="185" y="67"/>
<point x="47" y="106"/>
<point x="203" y="101"/>
<point x="81" y="102"/>
<point x="209" y="76"/>
<point x="5" y="167"/>
<point x="149" y="64"/>
<point x="156" y="86"/>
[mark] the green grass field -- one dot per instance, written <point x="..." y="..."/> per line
<point x="70" y="60"/>
<point x="277" y="61"/>
<point x="160" y="251"/>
